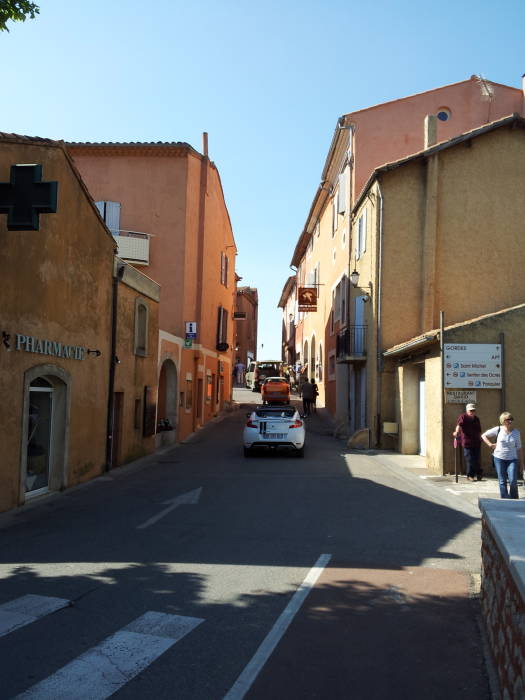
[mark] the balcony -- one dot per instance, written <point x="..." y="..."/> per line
<point x="351" y="344"/>
<point x="133" y="246"/>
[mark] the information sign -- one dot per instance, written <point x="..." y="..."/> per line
<point x="472" y="365"/>
<point x="191" y="329"/>
<point x="461" y="397"/>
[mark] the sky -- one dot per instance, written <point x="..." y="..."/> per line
<point x="266" y="80"/>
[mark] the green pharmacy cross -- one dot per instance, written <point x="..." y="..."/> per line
<point x="26" y="197"/>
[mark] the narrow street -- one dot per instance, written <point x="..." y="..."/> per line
<point x="181" y="577"/>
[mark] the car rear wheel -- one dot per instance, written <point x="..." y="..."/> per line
<point x="299" y="452"/>
<point x="247" y="451"/>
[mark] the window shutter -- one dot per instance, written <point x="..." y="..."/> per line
<point x="112" y="217"/>
<point x="219" y="325"/>
<point x="224" y="326"/>
<point x="342" y="193"/>
<point x="335" y="213"/>
<point x="222" y="268"/>
<point x="101" y="206"/>
<point x="226" y="269"/>
<point x="363" y="246"/>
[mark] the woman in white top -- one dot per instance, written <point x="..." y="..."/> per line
<point x="508" y="458"/>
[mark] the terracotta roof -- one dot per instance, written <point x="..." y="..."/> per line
<point x="287" y="290"/>
<point x="432" y="336"/>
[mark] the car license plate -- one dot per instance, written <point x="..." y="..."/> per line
<point x="274" y="436"/>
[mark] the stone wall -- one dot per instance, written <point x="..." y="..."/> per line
<point x="502" y="599"/>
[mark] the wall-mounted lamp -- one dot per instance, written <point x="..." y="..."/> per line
<point x="354" y="279"/>
<point x="95" y="353"/>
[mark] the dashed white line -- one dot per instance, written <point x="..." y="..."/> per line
<point x="26" y="609"/>
<point x="103" y="670"/>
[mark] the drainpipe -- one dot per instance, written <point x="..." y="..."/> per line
<point x="112" y="365"/>
<point x="379" y="365"/>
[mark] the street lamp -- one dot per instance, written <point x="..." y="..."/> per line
<point x="354" y="279"/>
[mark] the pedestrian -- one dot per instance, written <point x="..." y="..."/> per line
<point x="239" y="372"/>
<point x="507" y="454"/>
<point x="316" y="394"/>
<point x="468" y="428"/>
<point x="307" y="392"/>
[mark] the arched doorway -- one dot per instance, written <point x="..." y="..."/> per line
<point x="44" y="430"/>
<point x="312" y="368"/>
<point x="167" y="403"/>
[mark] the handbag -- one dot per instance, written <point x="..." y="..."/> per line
<point x="493" y="462"/>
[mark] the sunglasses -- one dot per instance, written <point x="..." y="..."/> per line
<point x="508" y="420"/>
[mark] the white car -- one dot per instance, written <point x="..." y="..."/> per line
<point x="274" y="426"/>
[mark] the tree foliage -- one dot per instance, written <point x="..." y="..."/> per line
<point x="16" y="10"/>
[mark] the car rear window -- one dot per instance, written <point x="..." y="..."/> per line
<point x="278" y="380"/>
<point x="275" y="413"/>
<point x="268" y="365"/>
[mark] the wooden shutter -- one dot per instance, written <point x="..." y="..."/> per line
<point x="112" y="217"/>
<point x="342" y="193"/>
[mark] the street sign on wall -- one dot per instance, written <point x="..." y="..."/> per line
<point x="472" y="366"/>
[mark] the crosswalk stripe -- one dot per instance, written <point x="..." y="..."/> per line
<point x="26" y="609"/>
<point x="104" y="669"/>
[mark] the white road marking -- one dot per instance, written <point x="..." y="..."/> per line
<point x="243" y="684"/>
<point x="101" y="671"/>
<point x="190" y="498"/>
<point x="22" y="611"/>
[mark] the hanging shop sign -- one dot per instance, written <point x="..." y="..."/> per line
<point x="473" y="366"/>
<point x="307" y="298"/>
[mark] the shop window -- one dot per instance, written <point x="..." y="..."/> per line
<point x="209" y="387"/>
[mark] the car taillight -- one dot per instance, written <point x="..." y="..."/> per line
<point x="297" y="424"/>
<point x="251" y="424"/>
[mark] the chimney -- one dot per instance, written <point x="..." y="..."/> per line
<point x="430" y="135"/>
<point x="205" y="143"/>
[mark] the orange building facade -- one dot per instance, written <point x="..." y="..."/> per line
<point x="68" y="311"/>
<point x="164" y="204"/>
<point x="246" y="318"/>
<point x="362" y="141"/>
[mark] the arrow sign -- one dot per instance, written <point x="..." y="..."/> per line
<point x="185" y="499"/>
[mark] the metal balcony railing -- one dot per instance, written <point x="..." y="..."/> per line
<point x="351" y="344"/>
<point x="133" y="246"/>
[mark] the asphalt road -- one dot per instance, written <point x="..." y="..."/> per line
<point x="199" y="574"/>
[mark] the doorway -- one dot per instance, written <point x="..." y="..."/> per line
<point x="45" y="420"/>
<point x="39" y="438"/>
<point x="422" y="414"/>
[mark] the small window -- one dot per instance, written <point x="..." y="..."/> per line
<point x="361" y="235"/>
<point x="225" y="264"/>
<point x="443" y="114"/>
<point x="141" y="328"/>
